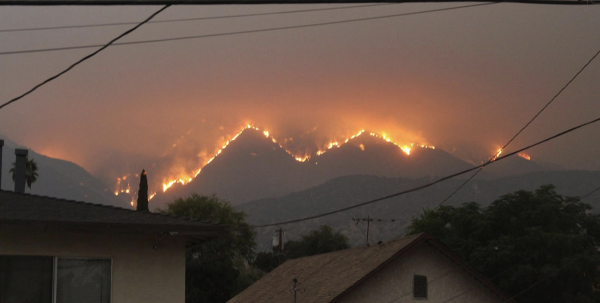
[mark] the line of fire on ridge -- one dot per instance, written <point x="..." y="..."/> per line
<point x="335" y="144"/>
<point x="405" y="148"/>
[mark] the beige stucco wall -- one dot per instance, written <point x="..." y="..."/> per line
<point x="139" y="273"/>
<point x="446" y="280"/>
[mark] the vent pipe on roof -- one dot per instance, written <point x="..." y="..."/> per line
<point x="1" y="145"/>
<point x="21" y="166"/>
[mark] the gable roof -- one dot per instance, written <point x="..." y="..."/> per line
<point x="25" y="210"/>
<point x="332" y="275"/>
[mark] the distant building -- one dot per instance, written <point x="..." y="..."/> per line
<point x="60" y="251"/>
<point x="411" y="269"/>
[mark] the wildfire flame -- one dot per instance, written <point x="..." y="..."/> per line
<point x="405" y="148"/>
<point x="497" y="155"/>
<point x="184" y="179"/>
<point x="525" y="156"/>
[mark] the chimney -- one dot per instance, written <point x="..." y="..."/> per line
<point x="21" y="166"/>
<point x="1" y="145"/>
<point x="142" y="201"/>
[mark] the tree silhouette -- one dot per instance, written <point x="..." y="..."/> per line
<point x="318" y="241"/>
<point x="30" y="171"/>
<point x="142" y="201"/>
<point x="525" y="238"/>
<point x="219" y="269"/>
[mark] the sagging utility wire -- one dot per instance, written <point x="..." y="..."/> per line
<point x="414" y="189"/>
<point x="111" y="42"/>
<point x="186" y="19"/>
<point x="524" y="127"/>
<point x="40" y="50"/>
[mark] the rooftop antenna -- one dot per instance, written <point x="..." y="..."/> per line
<point x="368" y="219"/>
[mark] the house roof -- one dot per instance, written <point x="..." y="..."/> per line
<point x="25" y="210"/>
<point x="330" y="276"/>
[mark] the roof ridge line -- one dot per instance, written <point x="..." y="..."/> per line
<point x="108" y="206"/>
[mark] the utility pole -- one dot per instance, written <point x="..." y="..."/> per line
<point x="280" y="253"/>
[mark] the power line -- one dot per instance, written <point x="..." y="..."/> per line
<point x="84" y="58"/>
<point x="247" y="2"/>
<point x="459" y="187"/>
<point x="186" y="19"/>
<point x="244" y="32"/>
<point x="501" y="273"/>
<point x="414" y="189"/>
<point x="588" y="194"/>
<point x="541" y="280"/>
<point x="524" y="127"/>
<point x="471" y="289"/>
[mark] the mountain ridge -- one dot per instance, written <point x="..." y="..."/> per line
<point x="254" y="166"/>
<point x="351" y="190"/>
<point x="59" y="178"/>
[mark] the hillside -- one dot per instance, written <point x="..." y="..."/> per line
<point x="59" y="178"/>
<point x="253" y="167"/>
<point x="350" y="190"/>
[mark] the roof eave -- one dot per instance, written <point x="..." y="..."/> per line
<point x="405" y="249"/>
<point x="116" y="228"/>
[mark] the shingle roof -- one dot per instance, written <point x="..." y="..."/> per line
<point x="33" y="210"/>
<point x="316" y="272"/>
<point x="330" y="275"/>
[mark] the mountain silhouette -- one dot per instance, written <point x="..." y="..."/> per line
<point x="59" y="178"/>
<point x="252" y="167"/>
<point x="351" y="190"/>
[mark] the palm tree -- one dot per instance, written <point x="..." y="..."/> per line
<point x="30" y="171"/>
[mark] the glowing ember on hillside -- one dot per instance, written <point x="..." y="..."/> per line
<point x="184" y="178"/>
<point x="405" y="148"/>
<point x="525" y="156"/>
<point x="497" y="155"/>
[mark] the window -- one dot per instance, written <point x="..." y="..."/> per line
<point x="54" y="280"/>
<point x="420" y="287"/>
<point x="26" y="279"/>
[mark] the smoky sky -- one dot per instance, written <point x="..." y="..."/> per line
<point x="464" y="80"/>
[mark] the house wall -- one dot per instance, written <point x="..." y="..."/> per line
<point x="139" y="273"/>
<point x="445" y="280"/>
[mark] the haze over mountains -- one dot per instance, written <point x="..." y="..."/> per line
<point x="253" y="167"/>
<point x="59" y="178"/>
<point x="350" y="190"/>
<point x="263" y="180"/>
